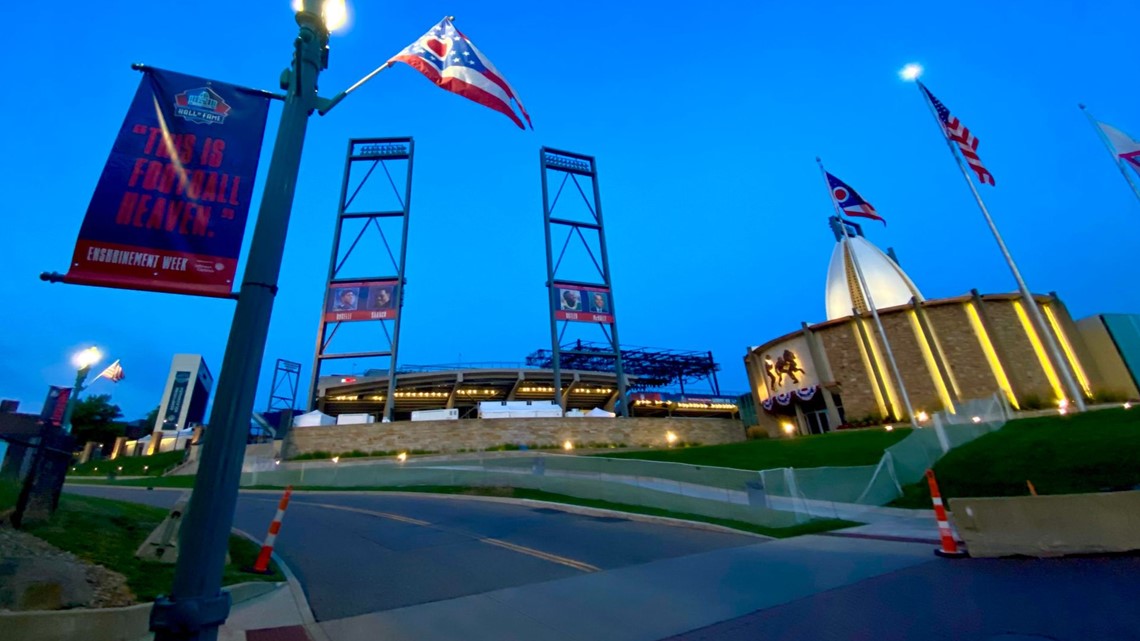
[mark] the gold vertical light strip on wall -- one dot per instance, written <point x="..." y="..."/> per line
<point x="949" y="370"/>
<point x="931" y="364"/>
<point x="1039" y="349"/>
<point x="892" y="396"/>
<point x="1082" y="379"/>
<point x="870" y="369"/>
<point x="991" y="354"/>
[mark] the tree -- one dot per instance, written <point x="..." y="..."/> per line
<point x="93" y="419"/>
<point x="151" y="417"/>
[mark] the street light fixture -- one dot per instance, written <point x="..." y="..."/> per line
<point x="334" y="13"/>
<point x="86" y="358"/>
<point x="911" y="72"/>
<point x="83" y="360"/>
<point x="196" y="606"/>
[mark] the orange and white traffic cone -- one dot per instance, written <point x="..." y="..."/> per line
<point x="262" y="564"/>
<point x="949" y="547"/>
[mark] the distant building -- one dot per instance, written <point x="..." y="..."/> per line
<point x="186" y="395"/>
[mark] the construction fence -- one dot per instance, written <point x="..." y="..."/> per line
<point x="773" y="498"/>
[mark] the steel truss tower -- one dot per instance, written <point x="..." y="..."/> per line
<point x="372" y="292"/>
<point x="588" y="301"/>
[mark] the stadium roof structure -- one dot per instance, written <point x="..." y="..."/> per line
<point x="647" y="368"/>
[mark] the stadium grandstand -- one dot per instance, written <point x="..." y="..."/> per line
<point x="661" y="382"/>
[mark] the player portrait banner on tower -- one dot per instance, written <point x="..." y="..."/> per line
<point x="582" y="303"/>
<point x="361" y="301"/>
<point x="170" y="208"/>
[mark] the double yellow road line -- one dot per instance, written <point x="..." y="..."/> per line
<point x="521" y="549"/>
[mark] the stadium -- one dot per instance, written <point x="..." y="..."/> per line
<point x="589" y="382"/>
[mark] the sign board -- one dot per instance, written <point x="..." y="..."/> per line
<point x="582" y="303"/>
<point x="361" y="301"/>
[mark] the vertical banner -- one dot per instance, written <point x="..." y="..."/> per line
<point x="177" y="397"/>
<point x="55" y="406"/>
<point x="361" y="301"/>
<point x="582" y="303"/>
<point x="170" y="209"/>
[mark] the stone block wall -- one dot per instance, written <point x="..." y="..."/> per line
<point x="841" y="347"/>
<point x="1022" y="366"/>
<point x="480" y="434"/>
<point x="916" y="373"/>
<point x="962" y="351"/>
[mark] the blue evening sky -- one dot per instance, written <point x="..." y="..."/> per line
<point x="705" y="120"/>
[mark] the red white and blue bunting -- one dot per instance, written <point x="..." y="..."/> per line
<point x="785" y="398"/>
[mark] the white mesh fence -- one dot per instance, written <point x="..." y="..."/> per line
<point x="845" y="492"/>
<point x="774" y="498"/>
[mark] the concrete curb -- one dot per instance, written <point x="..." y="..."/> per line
<point x="308" y="621"/>
<point x="103" y="624"/>
<point x="565" y="507"/>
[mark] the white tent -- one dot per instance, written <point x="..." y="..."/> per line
<point x="314" y="418"/>
<point x="599" y="412"/>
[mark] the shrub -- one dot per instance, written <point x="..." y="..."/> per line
<point x="756" y="432"/>
<point x="312" y="456"/>
<point x="1109" y="396"/>
<point x="1032" y="402"/>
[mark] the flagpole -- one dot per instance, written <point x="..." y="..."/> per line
<point x="1034" y="310"/>
<point x="1112" y="152"/>
<point x="870" y="302"/>
<point x="327" y="105"/>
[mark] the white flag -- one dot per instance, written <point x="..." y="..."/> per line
<point x="1123" y="145"/>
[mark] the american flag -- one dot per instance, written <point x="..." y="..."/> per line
<point x="113" y="373"/>
<point x="449" y="59"/>
<point x="850" y="201"/>
<point x="959" y="133"/>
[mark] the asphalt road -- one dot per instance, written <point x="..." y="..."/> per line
<point x="356" y="553"/>
<point x="1017" y="599"/>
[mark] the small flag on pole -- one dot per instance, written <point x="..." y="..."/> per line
<point x="959" y="133"/>
<point x="113" y="373"/>
<point x="850" y="201"/>
<point x="449" y="59"/>
<point x="1122" y="144"/>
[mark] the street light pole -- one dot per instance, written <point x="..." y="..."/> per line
<point x="196" y="605"/>
<point x="73" y="397"/>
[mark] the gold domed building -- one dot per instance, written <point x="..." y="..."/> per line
<point x="835" y="374"/>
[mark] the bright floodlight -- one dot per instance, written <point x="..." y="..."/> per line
<point x="87" y="357"/>
<point x="334" y="12"/>
<point x="911" y="72"/>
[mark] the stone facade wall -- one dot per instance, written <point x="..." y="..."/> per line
<point x="962" y="351"/>
<point x="916" y="374"/>
<point x="1022" y="366"/>
<point x="480" y="434"/>
<point x="841" y="347"/>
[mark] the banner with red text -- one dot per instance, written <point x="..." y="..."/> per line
<point x="170" y="208"/>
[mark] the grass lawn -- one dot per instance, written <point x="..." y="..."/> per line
<point x="131" y="465"/>
<point x="853" y="447"/>
<point x="1090" y="452"/>
<point x="821" y="525"/>
<point x="9" y="494"/>
<point x="108" y="533"/>
<point x="811" y="527"/>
